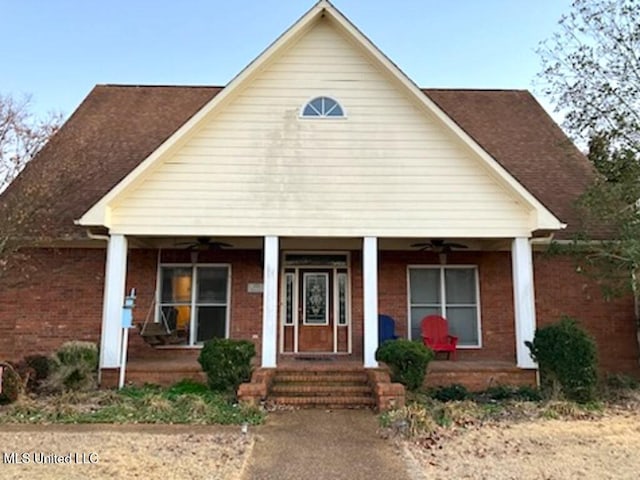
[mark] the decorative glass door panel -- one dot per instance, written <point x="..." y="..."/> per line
<point x="316" y="299"/>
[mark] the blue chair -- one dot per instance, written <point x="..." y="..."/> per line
<point x="386" y="329"/>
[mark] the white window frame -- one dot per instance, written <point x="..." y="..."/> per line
<point x="443" y="298"/>
<point x="302" y="116"/>
<point x="193" y="303"/>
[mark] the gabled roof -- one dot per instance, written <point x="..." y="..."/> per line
<point x="323" y="10"/>
<point x="117" y="127"/>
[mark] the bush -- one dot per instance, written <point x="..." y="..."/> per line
<point x="567" y="359"/>
<point x="407" y="360"/>
<point x="227" y="363"/>
<point x="11" y="384"/>
<point x="74" y="367"/>
<point x="33" y="369"/>
<point x="504" y="392"/>
<point x="451" y="393"/>
<point x="41" y="365"/>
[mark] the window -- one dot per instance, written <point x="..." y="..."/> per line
<point x="323" y="107"/>
<point x="448" y="291"/>
<point x="194" y="301"/>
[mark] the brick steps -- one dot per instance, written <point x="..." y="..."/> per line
<point x="322" y="387"/>
<point x="321" y="377"/>
<point x="326" y="402"/>
<point x="319" y="389"/>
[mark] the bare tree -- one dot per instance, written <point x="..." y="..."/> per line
<point x="21" y="135"/>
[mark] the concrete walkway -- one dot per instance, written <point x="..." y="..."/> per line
<point x="323" y="445"/>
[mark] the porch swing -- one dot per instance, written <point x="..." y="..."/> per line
<point x="163" y="332"/>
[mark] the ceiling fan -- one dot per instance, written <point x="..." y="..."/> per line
<point x="204" y="243"/>
<point x="438" y="245"/>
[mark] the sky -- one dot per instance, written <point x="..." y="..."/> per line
<point x="56" y="50"/>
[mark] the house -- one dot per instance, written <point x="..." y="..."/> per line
<point x="285" y="209"/>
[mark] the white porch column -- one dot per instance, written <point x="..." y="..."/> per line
<point x="370" y="291"/>
<point x="524" y="299"/>
<point x="114" y="284"/>
<point x="270" y="302"/>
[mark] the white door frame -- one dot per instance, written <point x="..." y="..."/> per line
<point x="285" y="270"/>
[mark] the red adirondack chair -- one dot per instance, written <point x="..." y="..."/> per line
<point x="435" y="335"/>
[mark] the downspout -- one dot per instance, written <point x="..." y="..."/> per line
<point x="105" y="238"/>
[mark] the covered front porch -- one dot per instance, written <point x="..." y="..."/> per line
<point x="264" y="298"/>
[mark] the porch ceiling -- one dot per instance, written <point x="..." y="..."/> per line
<point x="319" y="243"/>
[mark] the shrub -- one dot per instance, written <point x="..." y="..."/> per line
<point x="451" y="393"/>
<point x="567" y="359"/>
<point x="227" y="363"/>
<point x="74" y="367"/>
<point x="619" y="381"/>
<point x="11" y="384"/>
<point x="506" y="392"/>
<point x="33" y="369"/>
<point x="407" y="360"/>
<point x="41" y="365"/>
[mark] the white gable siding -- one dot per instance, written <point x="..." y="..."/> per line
<point x="258" y="169"/>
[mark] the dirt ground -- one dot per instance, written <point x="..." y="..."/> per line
<point x="606" y="448"/>
<point x="132" y="451"/>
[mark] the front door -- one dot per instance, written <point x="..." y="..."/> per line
<point x="315" y="310"/>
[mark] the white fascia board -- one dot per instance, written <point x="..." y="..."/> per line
<point x="98" y="215"/>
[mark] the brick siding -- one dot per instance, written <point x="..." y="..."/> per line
<point x="56" y="296"/>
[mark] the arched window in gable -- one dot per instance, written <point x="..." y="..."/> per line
<point x="323" y="107"/>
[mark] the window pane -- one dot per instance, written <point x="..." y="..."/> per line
<point x="177" y="319"/>
<point x="317" y="104"/>
<point x="342" y="299"/>
<point x="176" y="285"/>
<point x="336" y="111"/>
<point x="417" y="314"/>
<point x="288" y="318"/>
<point x="425" y="285"/>
<point x="463" y="323"/>
<point x="309" y="112"/>
<point x="212" y="285"/>
<point x="211" y="323"/>
<point x="460" y="284"/>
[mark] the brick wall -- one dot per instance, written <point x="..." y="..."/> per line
<point x="246" y="308"/>
<point x="50" y="297"/>
<point x="496" y="297"/>
<point x="57" y="296"/>
<point x="560" y="290"/>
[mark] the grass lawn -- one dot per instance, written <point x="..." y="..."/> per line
<point x="184" y="403"/>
